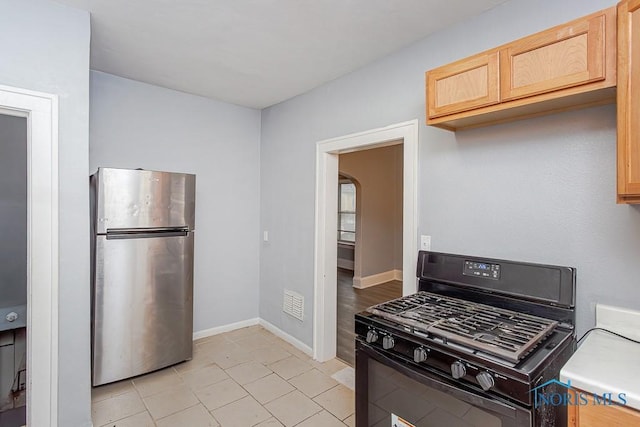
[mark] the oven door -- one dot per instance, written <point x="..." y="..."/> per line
<point x="390" y="393"/>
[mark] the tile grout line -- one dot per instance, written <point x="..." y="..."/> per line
<point x="241" y="386"/>
<point x="322" y="408"/>
<point x="130" y="415"/>
<point x="261" y="404"/>
<point x="270" y="342"/>
<point x="200" y="402"/>
<point x="312" y="415"/>
<point x="279" y="376"/>
<point x="143" y="403"/>
<point x="124" y="418"/>
<point x="153" y="419"/>
<point x="230" y="378"/>
<point x="177" y="412"/>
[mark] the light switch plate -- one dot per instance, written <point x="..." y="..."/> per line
<point x="425" y="243"/>
<point x="265" y="236"/>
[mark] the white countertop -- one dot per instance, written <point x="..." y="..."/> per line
<point x="605" y="363"/>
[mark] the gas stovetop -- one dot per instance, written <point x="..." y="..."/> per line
<point x="504" y="333"/>
<point x="502" y="326"/>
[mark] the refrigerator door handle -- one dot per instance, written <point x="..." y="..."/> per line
<point x="131" y="233"/>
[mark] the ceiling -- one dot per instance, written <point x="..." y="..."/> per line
<point x="257" y="53"/>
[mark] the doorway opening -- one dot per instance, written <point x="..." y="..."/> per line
<point x="36" y="374"/>
<point x="369" y="235"/>
<point x="13" y="270"/>
<point x="327" y="157"/>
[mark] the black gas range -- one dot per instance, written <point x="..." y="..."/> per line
<point x="469" y="347"/>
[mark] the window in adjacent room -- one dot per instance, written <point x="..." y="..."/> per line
<point x="346" y="211"/>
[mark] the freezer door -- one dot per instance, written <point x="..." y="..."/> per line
<point x="130" y="199"/>
<point x="142" y="305"/>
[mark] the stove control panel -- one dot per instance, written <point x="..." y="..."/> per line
<point x="458" y="370"/>
<point x="485" y="379"/>
<point x="485" y="270"/>
<point x="388" y="342"/>
<point x="420" y="354"/>
<point x="432" y="358"/>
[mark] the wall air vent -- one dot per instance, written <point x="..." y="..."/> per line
<point x="293" y="304"/>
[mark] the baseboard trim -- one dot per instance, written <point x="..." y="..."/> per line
<point x="251" y="322"/>
<point x="377" y="279"/>
<point x="285" y="336"/>
<point x="225" y="328"/>
<point x="345" y="263"/>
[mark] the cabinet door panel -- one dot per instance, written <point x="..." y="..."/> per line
<point x="567" y="56"/>
<point x="628" y="105"/>
<point x="597" y="415"/>
<point x="463" y="85"/>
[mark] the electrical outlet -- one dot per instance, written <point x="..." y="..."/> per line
<point x="425" y="243"/>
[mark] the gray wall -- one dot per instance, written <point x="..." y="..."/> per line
<point x="45" y="47"/>
<point x="379" y="220"/>
<point x="540" y="190"/>
<point x="136" y="125"/>
<point x="13" y="211"/>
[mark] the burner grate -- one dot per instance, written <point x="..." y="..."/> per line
<point x="503" y="333"/>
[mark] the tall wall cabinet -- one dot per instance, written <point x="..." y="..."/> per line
<point x="629" y="101"/>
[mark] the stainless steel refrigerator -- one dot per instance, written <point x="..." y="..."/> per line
<point x="142" y="271"/>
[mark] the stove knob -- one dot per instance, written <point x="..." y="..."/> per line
<point x="485" y="379"/>
<point x="420" y="355"/>
<point x="388" y="342"/>
<point x="372" y="336"/>
<point x="458" y="370"/>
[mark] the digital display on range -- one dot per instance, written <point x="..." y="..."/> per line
<point x="484" y="270"/>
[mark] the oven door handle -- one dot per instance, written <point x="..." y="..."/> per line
<point x="475" y="399"/>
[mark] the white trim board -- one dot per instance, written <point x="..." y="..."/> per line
<point x="325" y="265"/>
<point x="225" y="328"/>
<point x="252" y="322"/>
<point x="288" y="338"/>
<point x="377" y="279"/>
<point x="41" y="111"/>
<point x="345" y="263"/>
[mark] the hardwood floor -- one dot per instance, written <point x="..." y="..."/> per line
<point x="352" y="301"/>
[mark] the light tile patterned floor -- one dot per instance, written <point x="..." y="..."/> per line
<point x="247" y="377"/>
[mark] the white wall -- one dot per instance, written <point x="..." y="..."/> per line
<point x="538" y="190"/>
<point x="45" y="47"/>
<point x="13" y="211"/>
<point x="137" y="125"/>
<point x="379" y="226"/>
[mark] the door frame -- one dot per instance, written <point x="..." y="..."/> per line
<point x="41" y="111"/>
<point x="325" y="266"/>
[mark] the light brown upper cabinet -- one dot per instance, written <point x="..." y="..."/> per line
<point x="565" y="67"/>
<point x="464" y="85"/>
<point x="629" y="102"/>
<point x="565" y="56"/>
